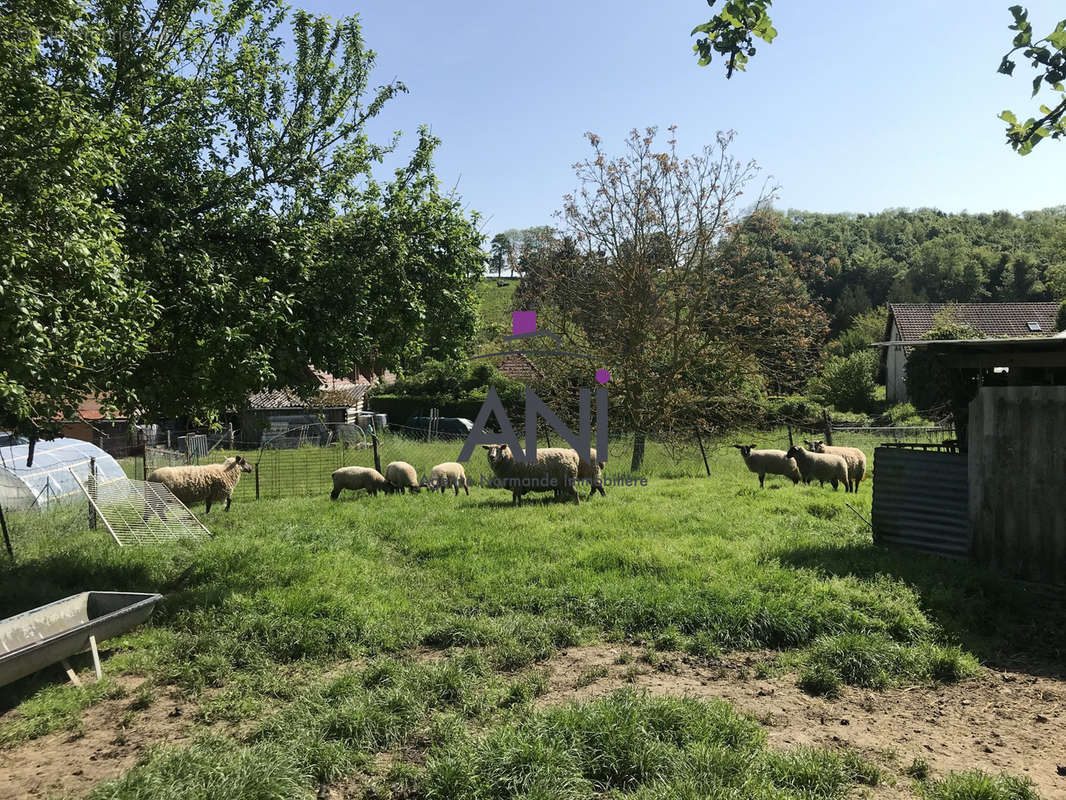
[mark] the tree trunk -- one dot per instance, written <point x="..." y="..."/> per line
<point x="638" y="452"/>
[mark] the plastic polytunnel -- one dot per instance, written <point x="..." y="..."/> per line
<point x="51" y="477"/>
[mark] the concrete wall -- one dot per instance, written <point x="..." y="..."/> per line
<point x="1017" y="474"/>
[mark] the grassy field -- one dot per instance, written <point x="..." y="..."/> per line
<point x="301" y="633"/>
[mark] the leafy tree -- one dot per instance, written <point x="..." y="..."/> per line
<point x="1060" y="317"/>
<point x="847" y="382"/>
<point x="217" y="198"/>
<point x="732" y="32"/>
<point x="930" y="382"/>
<point x="1048" y="57"/>
<point x="656" y="283"/>
<point x="71" y="320"/>
<point x="502" y="254"/>
<point x="865" y="329"/>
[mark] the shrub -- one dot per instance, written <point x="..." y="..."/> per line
<point x="903" y="415"/>
<point x="977" y="785"/>
<point x="929" y="382"/>
<point x="847" y="382"/>
<point x="867" y="328"/>
<point x="1060" y="318"/>
<point x="794" y="408"/>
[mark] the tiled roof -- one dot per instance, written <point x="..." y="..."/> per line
<point x="332" y="393"/>
<point x="518" y="367"/>
<point x="992" y="319"/>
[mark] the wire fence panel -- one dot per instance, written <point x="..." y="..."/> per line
<point x="136" y="512"/>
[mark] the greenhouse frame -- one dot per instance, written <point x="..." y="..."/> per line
<point x="51" y="478"/>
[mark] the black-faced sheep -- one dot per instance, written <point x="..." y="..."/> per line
<point x="821" y="467"/>
<point x="356" y="478"/>
<point x="768" y="462"/>
<point x="855" y="457"/>
<point x="402" y="476"/>
<point x="448" y="474"/>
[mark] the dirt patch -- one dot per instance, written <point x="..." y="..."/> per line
<point x="114" y="735"/>
<point x="996" y="722"/>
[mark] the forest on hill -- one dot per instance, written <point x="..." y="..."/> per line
<point x="855" y="262"/>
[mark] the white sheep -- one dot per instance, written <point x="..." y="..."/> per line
<point x="402" y="476"/>
<point x="446" y="475"/>
<point x="768" y="462"/>
<point x="356" y="478"/>
<point x="554" y="470"/>
<point x="210" y="483"/>
<point x="821" y="467"/>
<point x="855" y="457"/>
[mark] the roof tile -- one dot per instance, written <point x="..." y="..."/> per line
<point x="992" y="319"/>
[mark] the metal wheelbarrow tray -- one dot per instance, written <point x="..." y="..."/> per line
<point x="36" y="639"/>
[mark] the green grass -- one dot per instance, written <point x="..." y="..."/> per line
<point x="288" y="589"/>
<point x="494" y="320"/>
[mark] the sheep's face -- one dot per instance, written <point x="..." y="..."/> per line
<point x="497" y="453"/>
<point x="745" y="449"/>
<point x="244" y="465"/>
<point x="817" y="446"/>
<point x="793" y="451"/>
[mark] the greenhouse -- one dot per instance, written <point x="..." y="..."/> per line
<point x="51" y="477"/>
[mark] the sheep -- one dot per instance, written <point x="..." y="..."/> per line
<point x="592" y="471"/>
<point x="356" y="478"/>
<point x="210" y="483"/>
<point x="855" y="457"/>
<point x="821" y="467"/>
<point x="402" y="476"/>
<point x="768" y="462"/>
<point x="450" y="473"/>
<point x="555" y="469"/>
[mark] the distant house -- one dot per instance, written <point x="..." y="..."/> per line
<point x="338" y="400"/>
<point x="113" y="434"/>
<point x="909" y="322"/>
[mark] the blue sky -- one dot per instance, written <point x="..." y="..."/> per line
<point x="856" y="106"/>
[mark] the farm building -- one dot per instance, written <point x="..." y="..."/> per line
<point x="518" y="367"/>
<point x="999" y="500"/>
<point x="50" y="477"/>
<point x="116" y="435"/>
<point x="338" y="400"/>
<point x="909" y="322"/>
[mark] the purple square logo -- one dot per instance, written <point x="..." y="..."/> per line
<point x="523" y="322"/>
<point x="603" y="375"/>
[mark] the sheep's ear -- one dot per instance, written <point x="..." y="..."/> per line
<point x="751" y="447"/>
<point x="739" y="446"/>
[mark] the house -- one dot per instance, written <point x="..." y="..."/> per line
<point x="999" y="500"/>
<point x="115" y="435"/>
<point x="338" y="400"/>
<point x="909" y="322"/>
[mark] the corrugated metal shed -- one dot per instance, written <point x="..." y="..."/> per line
<point x="920" y="500"/>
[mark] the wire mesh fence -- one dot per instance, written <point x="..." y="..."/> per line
<point x="300" y="462"/>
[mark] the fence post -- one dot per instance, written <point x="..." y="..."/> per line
<point x="169" y="447"/>
<point x="828" y="428"/>
<point x="703" y="452"/>
<point x="377" y="458"/>
<point x="256" y="480"/>
<point x="144" y="463"/>
<point x="7" y="538"/>
<point x="790" y="444"/>
<point x="547" y="436"/>
<point x="92" y="493"/>
<point x="231" y="436"/>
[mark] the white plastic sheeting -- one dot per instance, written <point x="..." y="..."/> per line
<point x="50" y="478"/>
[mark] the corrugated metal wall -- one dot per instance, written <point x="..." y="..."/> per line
<point x="920" y="500"/>
<point x="1018" y="481"/>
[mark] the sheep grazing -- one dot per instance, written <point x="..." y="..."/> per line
<point x="555" y="470"/>
<point x="768" y="462"/>
<point x="446" y="475"/>
<point x="356" y="478"/>
<point x="402" y="476"/>
<point x="211" y="483"/>
<point x="592" y="471"/>
<point x="824" y="467"/>
<point x="855" y="457"/>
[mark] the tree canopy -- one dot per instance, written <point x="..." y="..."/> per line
<point x="204" y="218"/>
<point x="731" y="33"/>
